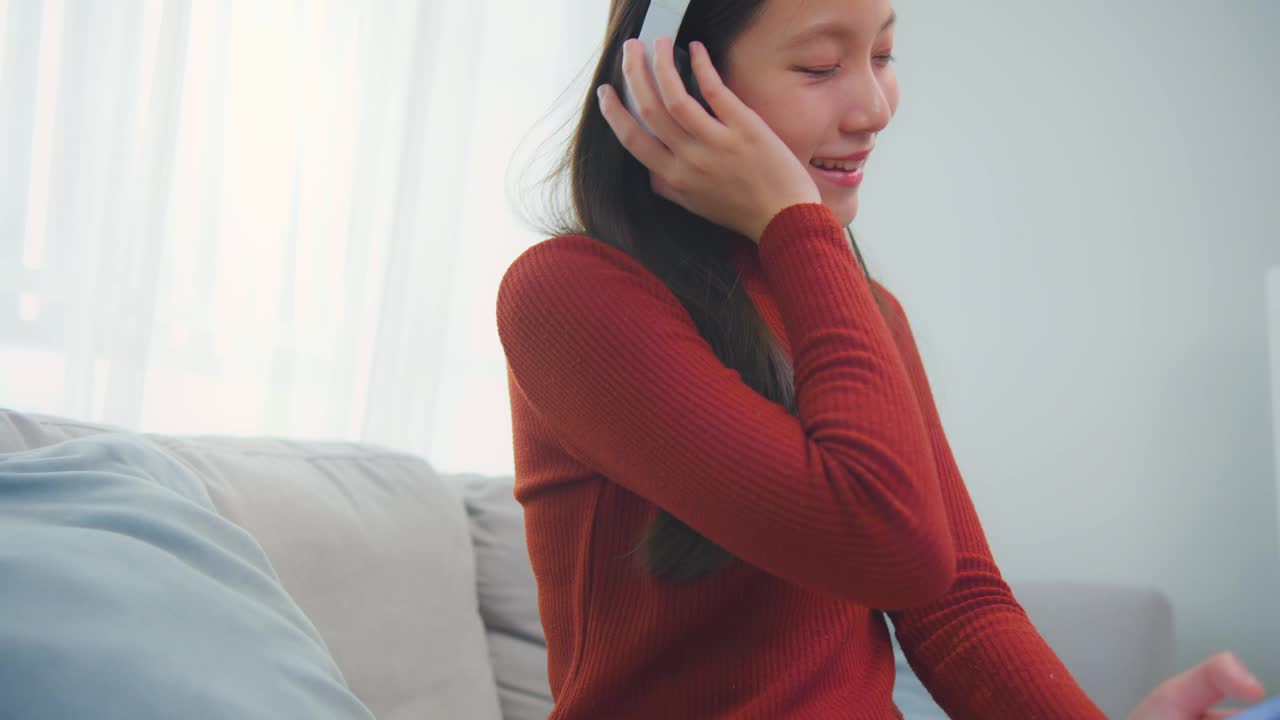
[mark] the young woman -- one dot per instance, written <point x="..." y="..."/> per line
<point x="726" y="446"/>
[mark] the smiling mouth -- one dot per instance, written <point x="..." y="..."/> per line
<point x="841" y="166"/>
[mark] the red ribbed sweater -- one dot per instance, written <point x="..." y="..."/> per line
<point x="849" y="510"/>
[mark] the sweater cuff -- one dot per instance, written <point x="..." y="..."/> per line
<point x="798" y="220"/>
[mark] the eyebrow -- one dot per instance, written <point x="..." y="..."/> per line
<point x="832" y="29"/>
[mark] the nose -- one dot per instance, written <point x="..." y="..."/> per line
<point x="866" y="106"/>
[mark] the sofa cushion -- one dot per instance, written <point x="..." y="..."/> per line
<point x="372" y="544"/>
<point x="508" y="596"/>
<point x="126" y="595"/>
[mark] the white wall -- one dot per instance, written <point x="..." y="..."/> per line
<point x="1077" y="204"/>
<point x="1273" y="325"/>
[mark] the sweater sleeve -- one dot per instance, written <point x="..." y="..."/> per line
<point x="841" y="498"/>
<point x="975" y="649"/>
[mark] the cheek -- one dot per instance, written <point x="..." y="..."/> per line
<point x="800" y="131"/>
<point x="891" y="93"/>
<point x="803" y="132"/>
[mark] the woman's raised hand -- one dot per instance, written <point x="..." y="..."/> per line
<point x="732" y="168"/>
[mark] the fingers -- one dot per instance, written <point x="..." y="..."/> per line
<point x="683" y="108"/>
<point x="726" y="105"/>
<point x="649" y="105"/>
<point x="1225" y="674"/>
<point x="1198" y="689"/>
<point x="639" y="142"/>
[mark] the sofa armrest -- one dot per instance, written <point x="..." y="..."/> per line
<point x="1117" y="640"/>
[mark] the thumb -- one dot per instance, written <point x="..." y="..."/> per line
<point x="660" y="186"/>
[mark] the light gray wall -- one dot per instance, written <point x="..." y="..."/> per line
<point x="1077" y="203"/>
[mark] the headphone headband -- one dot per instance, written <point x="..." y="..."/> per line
<point x="663" y="18"/>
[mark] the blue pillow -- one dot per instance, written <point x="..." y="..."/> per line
<point x="123" y="594"/>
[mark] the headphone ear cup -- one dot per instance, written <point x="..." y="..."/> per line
<point x="684" y="66"/>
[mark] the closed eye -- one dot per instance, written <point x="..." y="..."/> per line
<point x="819" y="72"/>
<point x="829" y="71"/>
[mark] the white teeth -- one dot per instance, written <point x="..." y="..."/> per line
<point x="832" y="165"/>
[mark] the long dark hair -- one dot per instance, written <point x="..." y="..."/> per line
<point x="606" y="195"/>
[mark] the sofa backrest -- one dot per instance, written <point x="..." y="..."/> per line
<point x="508" y="596"/>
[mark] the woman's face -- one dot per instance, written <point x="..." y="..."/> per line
<point x="818" y="73"/>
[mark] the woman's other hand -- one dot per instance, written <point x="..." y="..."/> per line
<point x="1190" y="696"/>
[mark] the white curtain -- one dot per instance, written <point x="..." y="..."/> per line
<point x="284" y="217"/>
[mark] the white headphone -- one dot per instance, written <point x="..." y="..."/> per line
<point x="662" y="19"/>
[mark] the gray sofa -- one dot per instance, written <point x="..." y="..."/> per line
<point x="419" y="582"/>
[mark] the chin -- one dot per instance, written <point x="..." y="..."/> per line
<point x="844" y="208"/>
